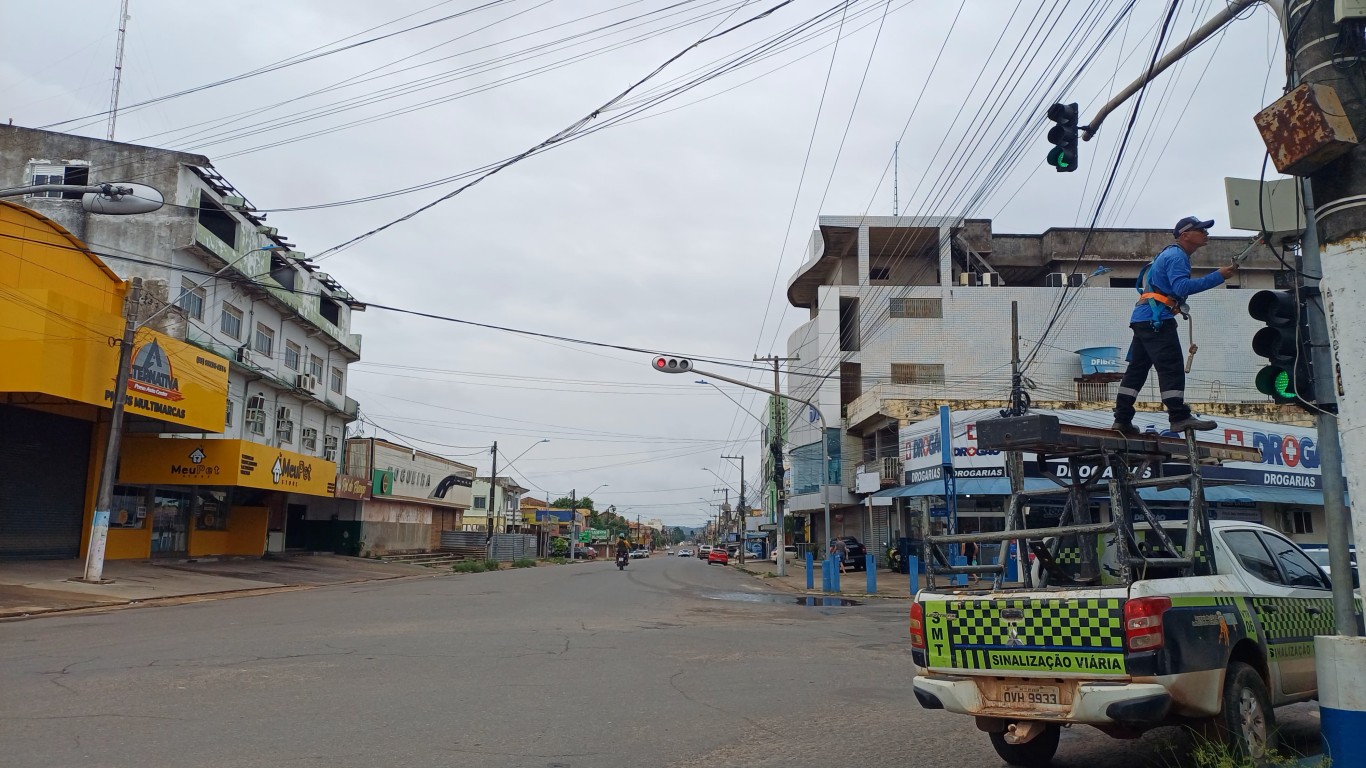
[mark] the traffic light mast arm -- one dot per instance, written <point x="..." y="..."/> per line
<point x="738" y="383"/>
<point x="1197" y="37"/>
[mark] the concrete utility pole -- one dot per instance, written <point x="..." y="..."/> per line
<point x="776" y="447"/>
<point x="740" y="516"/>
<point x="104" y="499"/>
<point x="1339" y="195"/>
<point x="493" y="494"/>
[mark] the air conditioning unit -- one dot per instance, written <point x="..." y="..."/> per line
<point x="969" y="278"/>
<point x="1059" y="279"/>
<point x="992" y="278"/>
<point x="306" y="381"/>
<point x="242" y="355"/>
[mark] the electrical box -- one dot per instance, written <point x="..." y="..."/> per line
<point x="1348" y="9"/>
<point x="1306" y="129"/>
<point x="1282" y="209"/>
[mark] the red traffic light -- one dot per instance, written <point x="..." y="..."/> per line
<point x="673" y="364"/>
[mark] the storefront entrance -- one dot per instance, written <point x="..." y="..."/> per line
<point x="170" y="523"/>
<point x="296" y="526"/>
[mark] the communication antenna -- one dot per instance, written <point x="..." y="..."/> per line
<point x="118" y="70"/>
<point x="896" y="185"/>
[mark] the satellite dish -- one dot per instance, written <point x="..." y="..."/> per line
<point x="124" y="199"/>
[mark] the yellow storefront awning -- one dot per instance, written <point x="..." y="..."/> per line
<point x="199" y="461"/>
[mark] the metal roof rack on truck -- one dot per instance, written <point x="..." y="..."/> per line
<point x="1125" y="464"/>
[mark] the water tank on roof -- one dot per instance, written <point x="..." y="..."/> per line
<point x="1101" y="360"/>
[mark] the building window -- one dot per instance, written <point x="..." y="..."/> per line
<point x="315" y="367"/>
<point x="256" y="414"/>
<point x="917" y="373"/>
<point x="330" y="448"/>
<point x="265" y="339"/>
<point x="284" y="424"/>
<point x="59" y="174"/>
<point x="129" y="509"/>
<point x="309" y="439"/>
<point x="191" y="299"/>
<point x="227" y="417"/>
<point x="210" y="510"/>
<point x="231" y="322"/>
<point x="480" y="502"/>
<point x="218" y="221"/>
<point x="916" y="308"/>
<point x="337" y="380"/>
<point x="1301" y="521"/>
<point x="292" y="352"/>
<point x="330" y="310"/>
<point x="879" y="273"/>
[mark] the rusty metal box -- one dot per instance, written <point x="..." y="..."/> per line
<point x="1306" y="129"/>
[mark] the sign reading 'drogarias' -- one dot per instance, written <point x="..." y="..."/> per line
<point x="422" y="477"/>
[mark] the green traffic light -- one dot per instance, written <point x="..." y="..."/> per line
<point x="1277" y="383"/>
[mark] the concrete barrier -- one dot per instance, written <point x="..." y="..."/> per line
<point x="1341" y="666"/>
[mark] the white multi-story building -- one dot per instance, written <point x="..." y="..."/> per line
<point x="908" y="313"/>
<point x="239" y="289"/>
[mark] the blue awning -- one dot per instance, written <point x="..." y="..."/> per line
<point x="970" y="486"/>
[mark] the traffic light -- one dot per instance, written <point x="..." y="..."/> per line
<point x="1063" y="137"/>
<point x="1288" y="372"/>
<point x="673" y="364"/>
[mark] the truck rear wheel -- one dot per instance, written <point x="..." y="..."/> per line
<point x="1246" y="723"/>
<point x="1035" y="753"/>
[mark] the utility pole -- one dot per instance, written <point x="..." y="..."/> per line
<point x="776" y="449"/>
<point x="740" y="516"/>
<point x="493" y="494"/>
<point x="104" y="499"/>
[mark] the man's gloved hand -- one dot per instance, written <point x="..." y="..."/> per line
<point x="1228" y="269"/>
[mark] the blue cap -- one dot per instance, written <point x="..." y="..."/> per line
<point x="1189" y="223"/>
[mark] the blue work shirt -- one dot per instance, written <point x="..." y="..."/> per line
<point x="1170" y="275"/>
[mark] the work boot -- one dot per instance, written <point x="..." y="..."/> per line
<point x="1125" y="428"/>
<point x="1193" y="423"/>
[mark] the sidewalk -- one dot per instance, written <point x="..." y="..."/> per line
<point x="35" y="587"/>
<point x="852" y="583"/>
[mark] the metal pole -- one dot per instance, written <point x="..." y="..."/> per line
<point x="740" y="516"/>
<point x="104" y="499"/>
<point x="493" y="493"/>
<point x="573" y="521"/>
<point x="776" y="448"/>
<point x="1335" y="514"/>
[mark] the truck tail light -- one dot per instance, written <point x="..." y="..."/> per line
<point x="1143" y="622"/>
<point x="917" y="625"/>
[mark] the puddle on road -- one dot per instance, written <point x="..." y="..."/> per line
<point x="807" y="600"/>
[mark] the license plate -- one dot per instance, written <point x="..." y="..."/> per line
<point x="1029" y="694"/>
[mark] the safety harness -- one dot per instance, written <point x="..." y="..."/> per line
<point x="1152" y="298"/>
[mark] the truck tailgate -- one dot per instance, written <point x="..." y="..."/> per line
<point x="1075" y="633"/>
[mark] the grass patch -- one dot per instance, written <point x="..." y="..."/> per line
<point x="492" y="565"/>
<point x="1203" y="752"/>
<point x="559" y="560"/>
<point x="470" y="566"/>
<point x="525" y="562"/>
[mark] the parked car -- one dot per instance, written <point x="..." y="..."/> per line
<point x="685" y="553"/>
<point x="585" y="553"/>
<point x="718" y="555"/>
<point x="857" y="557"/>
<point x="637" y="554"/>
<point x="703" y="551"/>
<point x="790" y="551"/>
<point x="1319" y="554"/>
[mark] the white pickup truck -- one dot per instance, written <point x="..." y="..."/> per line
<point x="1221" y="649"/>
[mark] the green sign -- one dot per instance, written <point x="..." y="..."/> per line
<point x="593" y="534"/>
<point x="383" y="483"/>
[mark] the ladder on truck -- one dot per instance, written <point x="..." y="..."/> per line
<point x="1096" y="459"/>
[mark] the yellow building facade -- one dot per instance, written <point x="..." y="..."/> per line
<point x="61" y="319"/>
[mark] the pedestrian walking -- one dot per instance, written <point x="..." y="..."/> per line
<point x="1163" y="288"/>
<point x="841" y="552"/>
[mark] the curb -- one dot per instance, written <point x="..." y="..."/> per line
<point x="816" y="592"/>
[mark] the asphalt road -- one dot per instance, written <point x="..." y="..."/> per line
<point x="671" y="662"/>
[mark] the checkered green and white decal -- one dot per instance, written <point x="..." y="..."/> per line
<point x="1063" y="635"/>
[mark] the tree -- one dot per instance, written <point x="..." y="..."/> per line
<point x="564" y="502"/>
<point x="676" y="536"/>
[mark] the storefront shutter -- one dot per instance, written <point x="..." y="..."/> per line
<point x="43" y="462"/>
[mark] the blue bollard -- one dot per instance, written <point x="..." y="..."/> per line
<point x="835" y="573"/>
<point x="913" y="571"/>
<point x="1341" y="666"/>
<point x="1013" y="563"/>
<point x="961" y="579"/>
<point x="825" y="575"/>
<point x="870" y="567"/>
<point x="810" y="572"/>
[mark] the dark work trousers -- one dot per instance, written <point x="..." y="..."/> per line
<point x="1158" y="348"/>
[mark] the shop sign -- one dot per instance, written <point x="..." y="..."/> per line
<point x="181" y="461"/>
<point x="352" y="487"/>
<point x="382" y="482"/>
<point x="424" y="477"/>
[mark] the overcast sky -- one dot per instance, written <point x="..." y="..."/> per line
<point x="664" y="232"/>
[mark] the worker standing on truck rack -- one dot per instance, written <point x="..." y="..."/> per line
<point x="1163" y="287"/>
